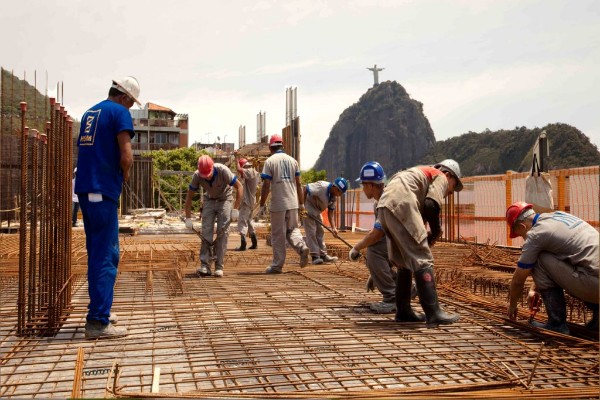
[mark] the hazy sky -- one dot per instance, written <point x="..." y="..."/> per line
<point x="474" y="64"/>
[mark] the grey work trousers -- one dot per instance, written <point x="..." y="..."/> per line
<point x="403" y="249"/>
<point x="221" y="212"/>
<point x="284" y="227"/>
<point x="381" y="270"/>
<point x="314" y="232"/>
<point x="245" y="225"/>
<point x="551" y="272"/>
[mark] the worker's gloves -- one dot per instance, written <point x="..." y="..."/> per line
<point x="302" y="211"/>
<point x="235" y="213"/>
<point x="370" y="285"/>
<point x="262" y="211"/>
<point x="354" y="254"/>
<point x="189" y="224"/>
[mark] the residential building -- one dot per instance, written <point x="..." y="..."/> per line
<point x="157" y="128"/>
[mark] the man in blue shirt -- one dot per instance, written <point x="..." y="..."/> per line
<point x="104" y="162"/>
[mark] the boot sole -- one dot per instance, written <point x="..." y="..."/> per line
<point x="438" y="323"/>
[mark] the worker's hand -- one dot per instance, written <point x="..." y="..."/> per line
<point x="189" y="224"/>
<point x="512" y="312"/>
<point x="235" y="213"/>
<point x="533" y="298"/>
<point x="302" y="211"/>
<point x="262" y="211"/>
<point x="370" y="285"/>
<point x="334" y="231"/>
<point x="354" y="254"/>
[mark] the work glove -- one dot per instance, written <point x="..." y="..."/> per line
<point x="354" y="254"/>
<point x="302" y="211"/>
<point x="370" y="285"/>
<point x="235" y="213"/>
<point x="189" y="224"/>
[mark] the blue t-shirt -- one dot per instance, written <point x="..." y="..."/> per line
<point x="98" y="163"/>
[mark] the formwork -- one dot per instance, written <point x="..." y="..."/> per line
<point x="307" y="332"/>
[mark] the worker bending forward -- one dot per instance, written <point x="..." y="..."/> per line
<point x="380" y="269"/>
<point x="281" y="176"/>
<point x="561" y="253"/>
<point x="412" y="196"/>
<point x="320" y="196"/>
<point x="249" y="177"/>
<point x="217" y="181"/>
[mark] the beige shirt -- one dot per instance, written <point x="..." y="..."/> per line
<point x="405" y="196"/>
<point x="282" y="169"/>
<point x="250" y="182"/>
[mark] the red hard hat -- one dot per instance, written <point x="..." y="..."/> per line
<point x="513" y="212"/>
<point x="242" y="162"/>
<point x="205" y="166"/>
<point x="275" y="140"/>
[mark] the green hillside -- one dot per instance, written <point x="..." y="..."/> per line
<point x="488" y="152"/>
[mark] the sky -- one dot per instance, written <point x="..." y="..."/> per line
<point x="474" y="64"/>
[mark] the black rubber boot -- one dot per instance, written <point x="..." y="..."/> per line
<point x="556" y="308"/>
<point x="254" y="241"/>
<point x="434" y="314"/>
<point x="242" y="245"/>
<point x="404" y="311"/>
<point x="593" y="323"/>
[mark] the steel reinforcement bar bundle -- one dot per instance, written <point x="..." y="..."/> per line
<point x="44" y="223"/>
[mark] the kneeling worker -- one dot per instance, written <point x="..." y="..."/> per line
<point x="560" y="253"/>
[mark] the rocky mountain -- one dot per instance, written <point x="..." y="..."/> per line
<point x="385" y="125"/>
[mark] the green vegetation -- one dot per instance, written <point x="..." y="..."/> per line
<point x="488" y="152"/>
<point x="312" y="175"/>
<point x="173" y="186"/>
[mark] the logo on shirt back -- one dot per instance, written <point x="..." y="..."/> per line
<point x="90" y="123"/>
<point x="285" y="170"/>
<point x="569" y="220"/>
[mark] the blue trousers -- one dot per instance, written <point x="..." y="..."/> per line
<point x="101" y="226"/>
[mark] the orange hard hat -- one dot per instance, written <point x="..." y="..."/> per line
<point x="276" y="140"/>
<point x="205" y="166"/>
<point x="513" y="212"/>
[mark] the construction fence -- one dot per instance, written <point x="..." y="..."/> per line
<point x="477" y="213"/>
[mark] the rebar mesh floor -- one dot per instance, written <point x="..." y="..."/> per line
<point x="304" y="333"/>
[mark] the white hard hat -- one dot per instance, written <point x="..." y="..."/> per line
<point x="128" y="85"/>
<point x="452" y="167"/>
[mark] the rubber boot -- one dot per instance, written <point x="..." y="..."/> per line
<point x="254" y="241"/>
<point x="556" y="308"/>
<point x="428" y="298"/>
<point x="242" y="245"/>
<point x="593" y="323"/>
<point x="404" y="311"/>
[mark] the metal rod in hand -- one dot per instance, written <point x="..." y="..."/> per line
<point x="329" y="229"/>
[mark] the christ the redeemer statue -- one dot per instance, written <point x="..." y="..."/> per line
<point x="375" y="73"/>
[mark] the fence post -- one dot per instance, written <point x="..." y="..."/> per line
<point x="561" y="190"/>
<point x="508" y="180"/>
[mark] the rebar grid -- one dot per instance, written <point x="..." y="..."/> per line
<point x="303" y="333"/>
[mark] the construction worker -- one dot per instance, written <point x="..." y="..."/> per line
<point x="320" y="196"/>
<point x="104" y="162"/>
<point x="217" y="181"/>
<point x="560" y="253"/>
<point x="281" y="175"/>
<point x="411" y="197"/>
<point x="381" y="276"/>
<point x="249" y="177"/>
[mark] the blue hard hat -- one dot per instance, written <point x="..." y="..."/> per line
<point x="341" y="183"/>
<point x="371" y="172"/>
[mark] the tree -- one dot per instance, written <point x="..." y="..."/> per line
<point x="312" y="175"/>
<point x="171" y="187"/>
